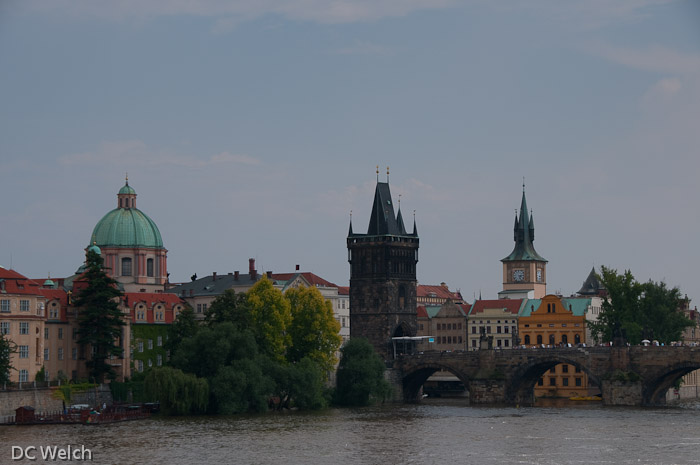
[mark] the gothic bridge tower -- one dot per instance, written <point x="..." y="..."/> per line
<point x="383" y="277"/>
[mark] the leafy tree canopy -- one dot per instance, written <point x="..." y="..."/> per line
<point x="184" y="326"/>
<point x="360" y="379"/>
<point x="178" y="393"/>
<point x="314" y="331"/>
<point x="100" y="319"/>
<point x="638" y="311"/>
<point x="7" y="348"/>
<point x="269" y="317"/>
<point x="228" y="307"/>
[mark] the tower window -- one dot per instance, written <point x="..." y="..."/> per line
<point x="149" y="267"/>
<point x="126" y="266"/>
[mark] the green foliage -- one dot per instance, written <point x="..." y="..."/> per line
<point x="184" y="326"/>
<point x="242" y="387"/>
<point x="7" y="348"/>
<point x="228" y="307"/>
<point x="149" y="332"/>
<point x="40" y="375"/>
<point x="313" y="330"/>
<point x="623" y="376"/>
<point x="269" y="316"/>
<point x="300" y="384"/>
<point x="360" y="379"/>
<point x="178" y="393"/>
<point x="100" y="320"/>
<point x="638" y="311"/>
<point x="65" y="392"/>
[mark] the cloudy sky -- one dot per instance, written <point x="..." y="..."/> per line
<point x="251" y="128"/>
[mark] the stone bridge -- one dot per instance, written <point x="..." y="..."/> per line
<point x="637" y="375"/>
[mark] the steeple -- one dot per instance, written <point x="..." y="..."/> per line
<point x="350" y="230"/>
<point x="524" y="235"/>
<point x="383" y="221"/>
<point x="415" y="229"/>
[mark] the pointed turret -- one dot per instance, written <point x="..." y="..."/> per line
<point x="524" y="235"/>
<point x="350" y="230"/>
<point x="383" y="221"/>
<point x="592" y="286"/>
<point x="415" y="229"/>
<point x="399" y="222"/>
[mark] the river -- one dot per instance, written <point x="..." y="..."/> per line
<point x="434" y="432"/>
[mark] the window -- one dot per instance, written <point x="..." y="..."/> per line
<point x="46" y="354"/>
<point x="474" y="343"/>
<point x="60" y="333"/>
<point x="499" y="342"/>
<point x="23" y="376"/>
<point x="159" y="341"/>
<point x="539" y="339"/>
<point x="150" y="362"/>
<point x="24" y="305"/>
<point x="540" y="382"/>
<point x="552" y="381"/>
<point x="150" y="344"/>
<point x="23" y="351"/>
<point x="23" y="327"/>
<point x="564" y="339"/>
<point x="473" y="329"/>
<point x="139" y="365"/>
<point x="60" y="353"/>
<point x="199" y="308"/>
<point x="505" y="343"/>
<point x="505" y="329"/>
<point x="5" y="306"/>
<point x="126" y="266"/>
<point x="565" y="368"/>
<point x="498" y="330"/>
<point x="578" y="370"/>
<point x="5" y="327"/>
<point x="527" y="339"/>
<point x="74" y="353"/>
<point x="159" y="360"/>
<point x="46" y="333"/>
<point x="578" y="381"/>
<point x="553" y="369"/>
<point x="140" y="346"/>
<point x="149" y="267"/>
<point x="565" y="381"/>
<point x="75" y="333"/>
<point x="53" y="311"/>
<point x="488" y="329"/>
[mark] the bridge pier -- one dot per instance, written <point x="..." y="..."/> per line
<point x="627" y="393"/>
<point x="487" y="391"/>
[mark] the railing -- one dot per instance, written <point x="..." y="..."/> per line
<point x="21" y="386"/>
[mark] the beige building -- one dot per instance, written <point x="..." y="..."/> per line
<point x="493" y="324"/>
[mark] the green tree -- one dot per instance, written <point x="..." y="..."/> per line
<point x="7" y="348"/>
<point x="229" y="306"/>
<point x="637" y="311"/>
<point x="242" y="387"/>
<point x="300" y="384"/>
<point x="99" y="319"/>
<point x="313" y="330"/>
<point x="360" y="379"/>
<point x="178" y="393"/>
<point x="184" y="326"/>
<point x="269" y="317"/>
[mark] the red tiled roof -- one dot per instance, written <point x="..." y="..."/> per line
<point x="168" y="299"/>
<point x="511" y="305"/>
<point x="16" y="283"/>
<point x="424" y="290"/>
<point x="55" y="294"/>
<point x="343" y="290"/>
<point x="422" y="313"/>
<point x="311" y="278"/>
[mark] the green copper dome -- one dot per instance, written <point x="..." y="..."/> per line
<point x="127" y="189"/>
<point x="127" y="227"/>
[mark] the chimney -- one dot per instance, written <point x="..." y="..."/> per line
<point x="297" y="267"/>
<point x="269" y="274"/>
<point x="443" y="284"/>
<point x="235" y="275"/>
<point x="213" y="276"/>
<point x="251" y="269"/>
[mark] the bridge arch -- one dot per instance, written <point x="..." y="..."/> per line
<point x="654" y="388"/>
<point x="520" y="389"/>
<point x="414" y="380"/>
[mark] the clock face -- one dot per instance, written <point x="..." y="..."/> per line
<point x="518" y="275"/>
<point x="539" y="274"/>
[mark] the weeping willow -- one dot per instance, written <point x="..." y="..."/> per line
<point x="177" y="392"/>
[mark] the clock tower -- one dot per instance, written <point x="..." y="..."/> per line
<point x="524" y="270"/>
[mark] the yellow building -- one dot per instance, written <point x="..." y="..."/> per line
<point x="556" y="322"/>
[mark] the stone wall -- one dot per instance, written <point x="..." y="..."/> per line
<point x="621" y="393"/>
<point x="43" y="401"/>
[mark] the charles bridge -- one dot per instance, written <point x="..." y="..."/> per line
<point x="634" y="376"/>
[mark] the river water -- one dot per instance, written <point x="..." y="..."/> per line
<point x="434" y="432"/>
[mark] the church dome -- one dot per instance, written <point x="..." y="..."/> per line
<point x="126" y="225"/>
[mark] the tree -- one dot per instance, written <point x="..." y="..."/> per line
<point x="314" y="330"/>
<point x="269" y="316"/>
<point x="360" y="379"/>
<point x="7" y="348"/>
<point x="184" y="326"/>
<point x="637" y="311"/>
<point x="100" y="319"/>
<point x="242" y="387"/>
<point x="178" y="393"/>
<point x="230" y="307"/>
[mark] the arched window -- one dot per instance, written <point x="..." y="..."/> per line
<point x="577" y="338"/>
<point x="126" y="266"/>
<point x="564" y="339"/>
<point x="527" y="339"/>
<point x="539" y="339"/>
<point x="149" y="267"/>
<point x="402" y="297"/>
<point x="551" y="339"/>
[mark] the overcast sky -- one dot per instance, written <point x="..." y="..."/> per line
<point x="251" y="128"/>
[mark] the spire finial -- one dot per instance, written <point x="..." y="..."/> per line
<point x="350" y="215"/>
<point x="387" y="174"/>
<point x="523" y="184"/>
<point x="127" y="178"/>
<point x="377" y="173"/>
<point x="399" y="201"/>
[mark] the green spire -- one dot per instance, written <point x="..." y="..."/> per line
<point x="524" y="235"/>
